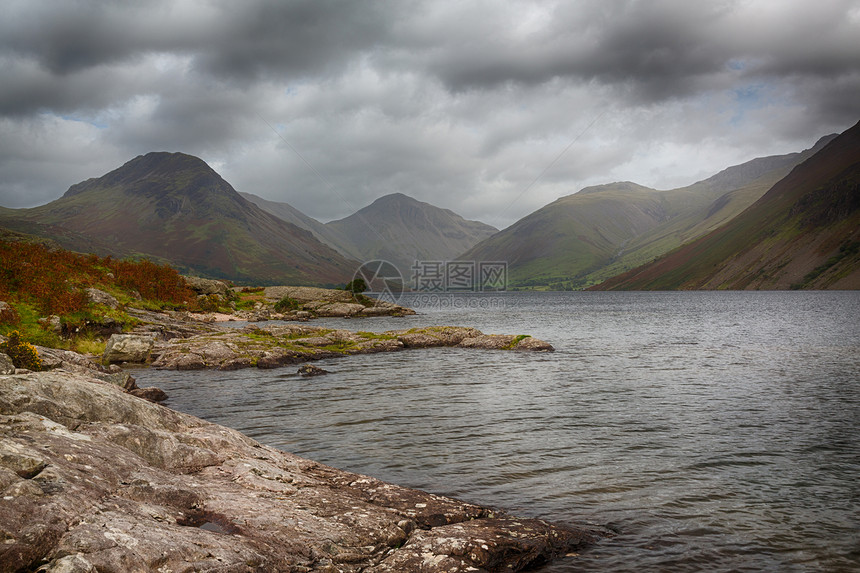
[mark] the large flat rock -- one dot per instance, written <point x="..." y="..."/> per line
<point x="94" y="479"/>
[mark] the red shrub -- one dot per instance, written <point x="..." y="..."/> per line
<point x="55" y="279"/>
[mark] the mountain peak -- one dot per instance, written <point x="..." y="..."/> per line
<point x="401" y="230"/>
<point x="824" y="141"/>
<point x="624" y="186"/>
<point x="143" y="173"/>
<point x="395" y="198"/>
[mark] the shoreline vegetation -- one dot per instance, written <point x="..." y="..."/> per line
<point x="96" y="475"/>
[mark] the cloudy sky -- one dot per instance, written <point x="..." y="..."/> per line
<point x="489" y="108"/>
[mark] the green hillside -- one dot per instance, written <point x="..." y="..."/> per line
<point x="803" y="233"/>
<point x="572" y="235"/>
<point x="585" y="238"/>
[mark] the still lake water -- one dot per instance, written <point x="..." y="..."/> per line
<point x="716" y="431"/>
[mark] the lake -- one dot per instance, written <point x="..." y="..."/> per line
<point x="714" y="431"/>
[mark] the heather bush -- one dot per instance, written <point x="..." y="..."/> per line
<point x="152" y="281"/>
<point x="286" y="304"/>
<point x="35" y="272"/>
<point x="55" y="280"/>
<point x="8" y="314"/>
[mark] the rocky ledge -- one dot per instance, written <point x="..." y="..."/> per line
<point x="311" y="302"/>
<point x="281" y="345"/>
<point x="296" y="303"/>
<point x="95" y="479"/>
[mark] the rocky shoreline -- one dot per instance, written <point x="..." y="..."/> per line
<point x="197" y="341"/>
<point x="96" y="479"/>
<point x="96" y="476"/>
<point x="279" y="345"/>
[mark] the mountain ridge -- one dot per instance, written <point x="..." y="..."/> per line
<point x="804" y="232"/>
<point x="603" y="230"/>
<point x="292" y="215"/>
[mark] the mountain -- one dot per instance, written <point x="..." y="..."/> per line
<point x="804" y="232"/>
<point x="319" y="230"/>
<point x="401" y="230"/>
<point x="601" y="231"/>
<point x="174" y="208"/>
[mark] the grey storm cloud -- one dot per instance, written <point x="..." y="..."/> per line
<point x="657" y="49"/>
<point x="461" y="104"/>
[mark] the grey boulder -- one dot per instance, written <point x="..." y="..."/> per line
<point x="128" y="348"/>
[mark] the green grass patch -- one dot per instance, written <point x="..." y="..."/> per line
<point x="519" y="338"/>
<point x="30" y="328"/>
<point x="375" y="335"/>
<point x="339" y="347"/>
<point x="85" y="345"/>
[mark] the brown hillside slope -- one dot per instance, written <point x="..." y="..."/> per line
<point x="803" y="233"/>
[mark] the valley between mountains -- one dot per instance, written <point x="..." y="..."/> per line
<point x="780" y="222"/>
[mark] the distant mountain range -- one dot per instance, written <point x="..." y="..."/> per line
<point x="319" y="230"/>
<point x="804" y="232"/>
<point x="394" y="228"/>
<point x="173" y="208"/>
<point x="787" y="221"/>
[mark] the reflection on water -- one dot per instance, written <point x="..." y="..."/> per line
<point x="716" y="431"/>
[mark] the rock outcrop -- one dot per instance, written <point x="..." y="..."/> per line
<point x="94" y="479"/>
<point x="128" y="348"/>
<point x="6" y="365"/>
<point x="8" y="314"/>
<point x="281" y="345"/>
<point x="73" y="363"/>
<point x="97" y="296"/>
<point x="313" y="302"/>
<point x="308" y="370"/>
<point x="207" y="286"/>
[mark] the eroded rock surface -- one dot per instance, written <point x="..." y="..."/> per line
<point x="6" y="364"/>
<point x="94" y="479"/>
